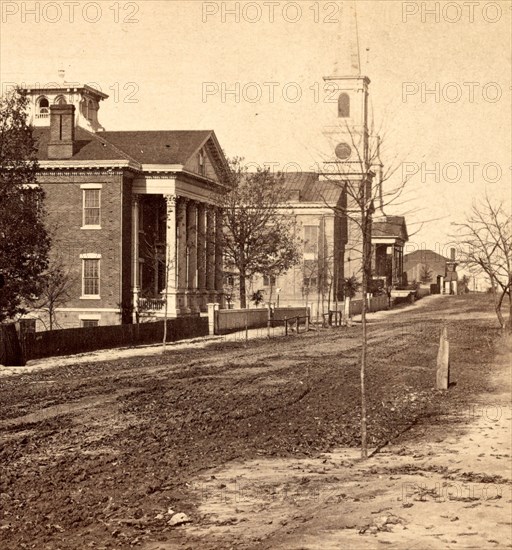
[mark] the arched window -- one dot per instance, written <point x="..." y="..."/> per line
<point x="60" y="100"/>
<point x="44" y="106"/>
<point x="344" y="105"/>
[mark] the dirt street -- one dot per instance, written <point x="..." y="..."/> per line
<point x="257" y="445"/>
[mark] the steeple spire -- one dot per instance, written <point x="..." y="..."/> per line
<point x="348" y="58"/>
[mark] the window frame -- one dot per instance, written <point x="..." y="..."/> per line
<point x="269" y="280"/>
<point x="85" y="188"/>
<point x="39" y="107"/>
<point x="309" y="254"/>
<point x="344" y="107"/>
<point x="91" y="257"/>
<point x="84" y="320"/>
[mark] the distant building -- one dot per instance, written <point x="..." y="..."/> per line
<point x="429" y="267"/>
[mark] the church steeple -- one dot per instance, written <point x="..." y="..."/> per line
<point x="348" y="57"/>
<point x="346" y="122"/>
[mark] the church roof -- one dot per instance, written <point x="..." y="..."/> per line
<point x="308" y="187"/>
<point x="143" y="147"/>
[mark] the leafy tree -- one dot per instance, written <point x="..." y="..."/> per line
<point x="24" y="241"/>
<point x="426" y="274"/>
<point x="257" y="297"/>
<point x="259" y="237"/>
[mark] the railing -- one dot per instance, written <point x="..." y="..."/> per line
<point x="151" y="304"/>
<point x="295" y="323"/>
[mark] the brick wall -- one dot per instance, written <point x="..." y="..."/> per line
<point x="64" y="203"/>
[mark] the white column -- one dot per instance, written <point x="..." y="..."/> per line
<point x="210" y="254"/>
<point x="170" y="256"/>
<point x="135" y="256"/>
<point x="181" y="255"/>
<point x="201" y="257"/>
<point x="219" y="268"/>
<point x="192" y="257"/>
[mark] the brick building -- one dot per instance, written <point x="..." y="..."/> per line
<point x="132" y="214"/>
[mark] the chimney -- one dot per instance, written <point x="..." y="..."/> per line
<point x="452" y="254"/>
<point x="62" y="131"/>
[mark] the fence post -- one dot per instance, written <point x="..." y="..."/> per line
<point x="307" y="323"/>
<point x="285" y="326"/>
<point x="443" y="361"/>
<point x="211" y="319"/>
<point x="246" y="328"/>
<point x="297" y="324"/>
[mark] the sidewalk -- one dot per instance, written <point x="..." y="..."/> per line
<point x="154" y="349"/>
<point x="125" y="353"/>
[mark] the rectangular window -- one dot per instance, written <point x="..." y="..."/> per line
<point x="91" y="277"/>
<point x="310" y="274"/>
<point x="311" y="240"/>
<point x="92" y="199"/>
<point x="202" y="167"/>
<point x="269" y="281"/>
<point x="86" y="323"/>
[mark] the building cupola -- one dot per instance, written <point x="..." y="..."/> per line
<point x="86" y="100"/>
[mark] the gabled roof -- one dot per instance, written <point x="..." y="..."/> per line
<point x="390" y="226"/>
<point x="308" y="187"/>
<point x="424" y="257"/>
<point x="147" y="147"/>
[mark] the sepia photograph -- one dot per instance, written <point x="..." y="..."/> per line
<point x="263" y="299"/>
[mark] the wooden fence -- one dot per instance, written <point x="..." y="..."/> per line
<point x="36" y="345"/>
<point x="233" y="320"/>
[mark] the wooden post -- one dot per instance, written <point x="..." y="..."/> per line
<point x="307" y="323"/>
<point x="285" y="326"/>
<point x="11" y="353"/>
<point x="246" y="328"/>
<point x="443" y="361"/>
<point x="297" y="324"/>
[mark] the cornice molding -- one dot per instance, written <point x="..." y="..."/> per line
<point x="76" y="172"/>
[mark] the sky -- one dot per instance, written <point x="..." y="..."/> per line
<point x="440" y="83"/>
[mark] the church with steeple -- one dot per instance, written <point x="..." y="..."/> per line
<point x="326" y="203"/>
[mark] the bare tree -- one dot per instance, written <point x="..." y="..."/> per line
<point x="362" y="180"/>
<point x="486" y="247"/>
<point x="57" y="284"/>
<point x="258" y="238"/>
